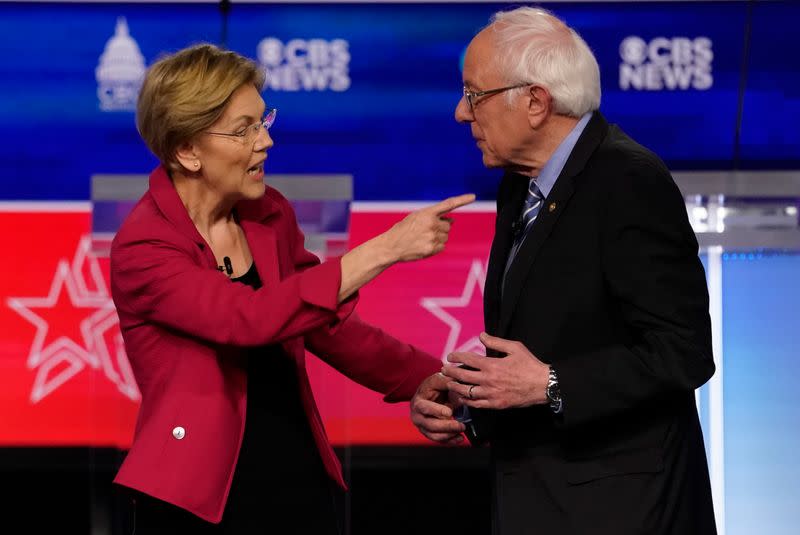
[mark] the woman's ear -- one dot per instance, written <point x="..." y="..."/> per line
<point x="186" y="155"/>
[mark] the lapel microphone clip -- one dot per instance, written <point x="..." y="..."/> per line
<point x="228" y="268"/>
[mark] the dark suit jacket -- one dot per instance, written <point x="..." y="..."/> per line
<point x="609" y="289"/>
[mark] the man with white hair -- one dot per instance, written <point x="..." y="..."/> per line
<point x="595" y="298"/>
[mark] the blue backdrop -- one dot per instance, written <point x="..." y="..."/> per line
<point x="369" y="90"/>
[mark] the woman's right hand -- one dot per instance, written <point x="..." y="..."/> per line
<point x="423" y="233"/>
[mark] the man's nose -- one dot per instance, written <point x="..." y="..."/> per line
<point x="463" y="113"/>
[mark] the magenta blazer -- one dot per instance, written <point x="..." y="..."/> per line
<point x="185" y="325"/>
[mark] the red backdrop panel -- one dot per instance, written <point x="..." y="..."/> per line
<point x="64" y="376"/>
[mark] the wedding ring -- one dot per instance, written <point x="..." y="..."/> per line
<point x="469" y="392"/>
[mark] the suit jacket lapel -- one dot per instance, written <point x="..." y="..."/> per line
<point x="553" y="207"/>
<point x="264" y="248"/>
<point x="548" y="215"/>
<point x="263" y="244"/>
<point x="507" y="211"/>
<point x="261" y="238"/>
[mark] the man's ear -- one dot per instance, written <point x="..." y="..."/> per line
<point x="540" y="106"/>
<point x="187" y="155"/>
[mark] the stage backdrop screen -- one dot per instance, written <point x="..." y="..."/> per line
<point x="368" y="91"/>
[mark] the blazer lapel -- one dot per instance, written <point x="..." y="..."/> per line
<point x="263" y="242"/>
<point x="261" y="237"/>
<point x="264" y="246"/>
<point x="553" y="207"/>
<point x="548" y="215"/>
<point x="508" y="210"/>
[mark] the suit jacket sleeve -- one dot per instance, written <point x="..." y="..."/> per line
<point x="157" y="280"/>
<point x="373" y="358"/>
<point x="656" y="282"/>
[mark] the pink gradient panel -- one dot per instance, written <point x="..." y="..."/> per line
<point x="64" y="377"/>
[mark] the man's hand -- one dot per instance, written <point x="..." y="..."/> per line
<point x="432" y="414"/>
<point x="518" y="380"/>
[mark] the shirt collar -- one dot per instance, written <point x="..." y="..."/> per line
<point x="169" y="202"/>
<point x="552" y="169"/>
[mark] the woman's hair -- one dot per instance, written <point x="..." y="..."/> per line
<point x="538" y="48"/>
<point x="186" y="92"/>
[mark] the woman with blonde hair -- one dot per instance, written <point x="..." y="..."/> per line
<point x="218" y="301"/>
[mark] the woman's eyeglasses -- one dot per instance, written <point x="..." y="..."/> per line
<point x="249" y="133"/>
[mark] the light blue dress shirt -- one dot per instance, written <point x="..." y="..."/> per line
<point x="547" y="177"/>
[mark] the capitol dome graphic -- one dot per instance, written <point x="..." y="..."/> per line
<point x="120" y="71"/>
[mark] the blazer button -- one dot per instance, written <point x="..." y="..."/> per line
<point x="179" y="432"/>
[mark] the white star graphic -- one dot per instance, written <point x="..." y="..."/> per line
<point x="476" y="279"/>
<point x="94" y="352"/>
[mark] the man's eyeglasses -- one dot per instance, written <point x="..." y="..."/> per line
<point x="472" y="95"/>
<point x="249" y="133"/>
